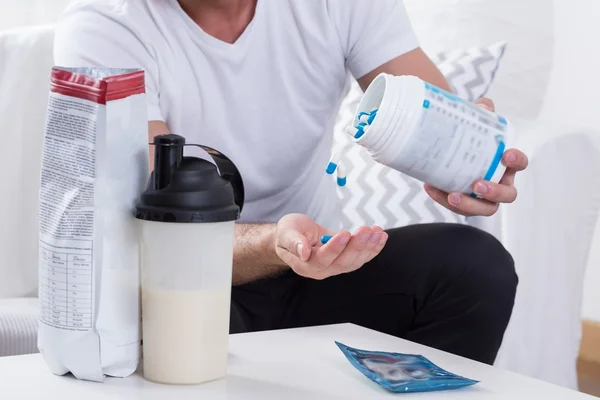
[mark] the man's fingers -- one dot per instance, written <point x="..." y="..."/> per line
<point x="291" y="258"/>
<point x="515" y="160"/>
<point x="325" y="256"/>
<point x="315" y="264"/>
<point x="490" y="194"/>
<point x="369" y="251"/>
<point x="486" y="103"/>
<point x="468" y="205"/>
<point x="351" y="256"/>
<point x="377" y="245"/>
<point x="508" y="178"/>
<point x="440" y="197"/>
<point x="295" y="244"/>
<point x="494" y="192"/>
<point x="461" y="203"/>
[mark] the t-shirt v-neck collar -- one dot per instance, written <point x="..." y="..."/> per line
<point x="198" y="34"/>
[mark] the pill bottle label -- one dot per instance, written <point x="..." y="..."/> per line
<point x="432" y="135"/>
<point x="455" y="144"/>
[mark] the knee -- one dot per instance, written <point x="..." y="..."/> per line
<point x="486" y="265"/>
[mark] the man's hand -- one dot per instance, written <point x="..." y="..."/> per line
<point x="491" y="194"/>
<point x="298" y="245"/>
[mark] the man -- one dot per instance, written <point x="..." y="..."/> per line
<point x="261" y="80"/>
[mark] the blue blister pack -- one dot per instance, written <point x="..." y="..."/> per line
<point x="403" y="373"/>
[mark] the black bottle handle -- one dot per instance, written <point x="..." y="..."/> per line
<point x="228" y="171"/>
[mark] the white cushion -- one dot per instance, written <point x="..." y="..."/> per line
<point x="527" y="25"/>
<point x="471" y="72"/>
<point x="26" y="60"/>
<point x="18" y="326"/>
<point x="378" y="195"/>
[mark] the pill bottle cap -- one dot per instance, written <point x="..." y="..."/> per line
<point x="393" y="97"/>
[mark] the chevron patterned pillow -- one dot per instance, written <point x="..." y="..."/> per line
<point x="471" y="73"/>
<point x="378" y="195"/>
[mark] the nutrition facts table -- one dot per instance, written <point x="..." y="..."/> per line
<point x="66" y="284"/>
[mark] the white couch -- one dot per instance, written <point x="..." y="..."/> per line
<point x="25" y="57"/>
<point x="548" y="231"/>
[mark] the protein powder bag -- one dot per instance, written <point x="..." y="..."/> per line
<point x="95" y="165"/>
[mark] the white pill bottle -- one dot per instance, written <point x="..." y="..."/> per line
<point x="432" y="135"/>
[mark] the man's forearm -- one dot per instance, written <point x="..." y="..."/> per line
<point x="414" y="63"/>
<point x="254" y="254"/>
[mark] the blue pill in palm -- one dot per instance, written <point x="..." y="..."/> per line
<point x="325" y="239"/>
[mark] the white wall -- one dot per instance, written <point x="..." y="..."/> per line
<point x="16" y="13"/>
<point x="573" y="97"/>
<point x="526" y="25"/>
<point x="591" y="300"/>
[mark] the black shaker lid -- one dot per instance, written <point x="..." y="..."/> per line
<point x="189" y="189"/>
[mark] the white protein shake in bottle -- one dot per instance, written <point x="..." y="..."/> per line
<point x="179" y="340"/>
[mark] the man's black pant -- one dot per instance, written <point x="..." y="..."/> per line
<point x="451" y="287"/>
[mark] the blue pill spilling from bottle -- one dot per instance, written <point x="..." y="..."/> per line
<point x="331" y="167"/>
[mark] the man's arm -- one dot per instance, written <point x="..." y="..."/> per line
<point x="254" y="255"/>
<point x="415" y="63"/>
<point x="380" y="39"/>
<point x="155" y="128"/>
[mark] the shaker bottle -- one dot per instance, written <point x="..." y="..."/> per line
<point x="187" y="213"/>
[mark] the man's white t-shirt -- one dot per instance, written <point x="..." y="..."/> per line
<point x="268" y="101"/>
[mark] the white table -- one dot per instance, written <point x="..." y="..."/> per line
<point x="291" y="364"/>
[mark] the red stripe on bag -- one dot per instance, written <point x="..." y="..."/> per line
<point x="123" y="86"/>
<point x="97" y="90"/>
<point x="78" y="85"/>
